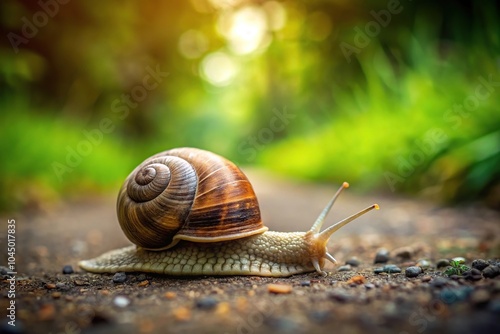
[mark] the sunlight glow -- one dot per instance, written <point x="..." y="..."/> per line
<point x="244" y="29"/>
<point x="218" y="68"/>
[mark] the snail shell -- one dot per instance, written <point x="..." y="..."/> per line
<point x="187" y="194"/>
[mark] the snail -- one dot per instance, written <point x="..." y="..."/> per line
<point x="192" y="212"/>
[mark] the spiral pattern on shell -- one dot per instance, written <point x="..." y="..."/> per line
<point x="187" y="194"/>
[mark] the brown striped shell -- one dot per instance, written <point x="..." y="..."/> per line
<point x="187" y="194"/>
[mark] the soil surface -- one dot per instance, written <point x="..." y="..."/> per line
<point x="358" y="300"/>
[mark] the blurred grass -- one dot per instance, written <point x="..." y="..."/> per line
<point x="32" y="143"/>
<point x="353" y="121"/>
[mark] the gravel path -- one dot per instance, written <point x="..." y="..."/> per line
<point x="405" y="293"/>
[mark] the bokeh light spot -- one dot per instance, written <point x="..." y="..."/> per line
<point x="218" y="68"/>
<point x="192" y="44"/>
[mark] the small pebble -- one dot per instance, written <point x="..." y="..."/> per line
<point x="442" y="263"/>
<point x="50" y="286"/>
<point x="143" y="283"/>
<point x="121" y="301"/>
<point x="79" y="282"/>
<point x="413" y="271"/>
<point x="141" y="277"/>
<point x="491" y="271"/>
<point x="353" y="262"/>
<point x="119" y="277"/>
<point x="56" y="295"/>
<point x="340" y="296"/>
<point x="206" y="303"/>
<point x="439" y="282"/>
<point x="305" y="283"/>
<point x="424" y="264"/>
<point x="473" y="275"/>
<point x="404" y="253"/>
<point x="67" y="269"/>
<point x="170" y="295"/>
<point x="182" y="313"/>
<point x="369" y="286"/>
<point x="357" y="279"/>
<point x="392" y="269"/>
<point x="382" y="256"/>
<point x="426" y="278"/>
<point x="479" y="264"/>
<point x="345" y="268"/>
<point x="459" y="259"/>
<point x="389" y="268"/>
<point x="279" y="288"/>
<point x="480" y="297"/>
<point x="62" y="286"/>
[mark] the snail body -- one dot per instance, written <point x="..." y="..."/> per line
<point x="192" y="212"/>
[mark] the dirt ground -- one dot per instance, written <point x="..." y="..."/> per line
<point x="354" y="301"/>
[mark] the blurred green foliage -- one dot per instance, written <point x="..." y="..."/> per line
<point x="387" y="95"/>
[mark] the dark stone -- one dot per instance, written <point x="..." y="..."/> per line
<point x="340" y="296"/>
<point x="439" y="282"/>
<point x="119" y="277"/>
<point x="305" y="283"/>
<point x="141" y="277"/>
<point x="67" y="269"/>
<point x="382" y="256"/>
<point x="392" y="269"/>
<point x="491" y="271"/>
<point x="207" y="303"/>
<point x="413" y="271"/>
<point x="472" y="275"/>
<point x="344" y="268"/>
<point x="479" y="264"/>
<point x="442" y="263"/>
<point x="353" y="262"/>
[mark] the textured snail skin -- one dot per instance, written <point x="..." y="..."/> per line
<point x="277" y="254"/>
